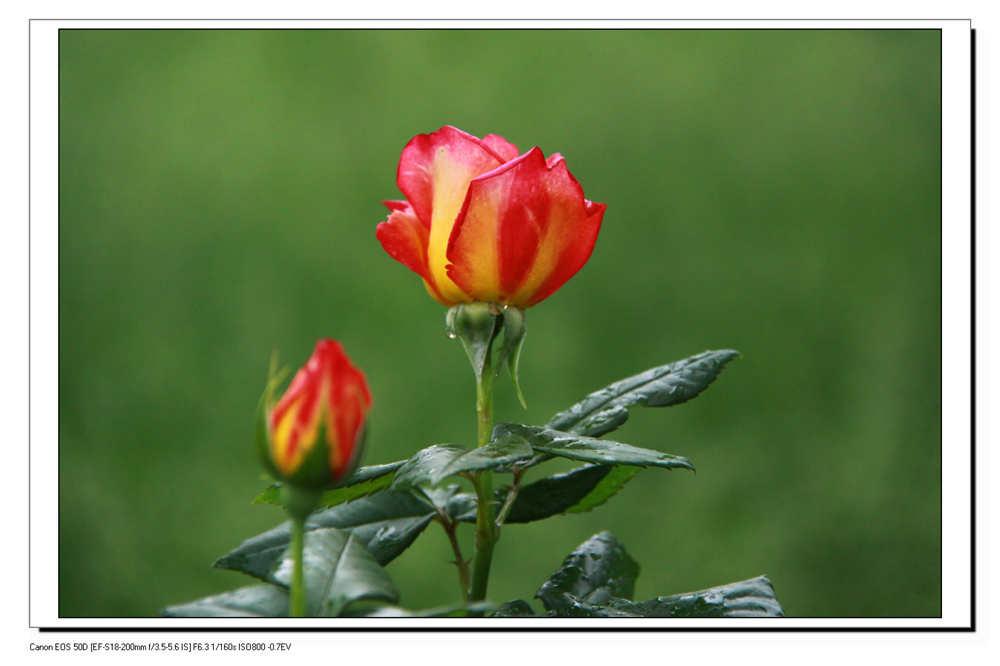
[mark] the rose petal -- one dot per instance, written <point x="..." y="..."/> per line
<point x="350" y="400"/>
<point x="575" y="252"/>
<point x="504" y="149"/>
<point x="434" y="174"/>
<point x="523" y="231"/>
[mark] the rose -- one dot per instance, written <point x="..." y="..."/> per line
<point x="481" y="223"/>
<point x="313" y="436"/>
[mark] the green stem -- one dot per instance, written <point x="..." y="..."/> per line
<point x="484" y="402"/>
<point x="483" y="483"/>
<point x="297" y="603"/>
<point x="509" y="502"/>
<point x="463" y="566"/>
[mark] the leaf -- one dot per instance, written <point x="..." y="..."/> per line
<point x="577" y="491"/>
<point x="386" y="522"/>
<point x="750" y="598"/>
<point x="516" y="608"/>
<point x="458" y="506"/>
<point x="588" y="449"/>
<point x="603" y="411"/>
<point x="364" y="482"/>
<point x="337" y="570"/>
<point x="253" y="601"/>
<point x="426" y="466"/>
<point x="497" y="454"/>
<point x="606" y="489"/>
<point x="596" y="572"/>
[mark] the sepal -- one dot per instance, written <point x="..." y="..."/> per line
<point x="476" y="325"/>
<point x="313" y="473"/>
<point x="262" y="443"/>
<point x="514" y="330"/>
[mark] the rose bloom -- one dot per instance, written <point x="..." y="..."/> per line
<point x="316" y="430"/>
<point x="482" y="223"/>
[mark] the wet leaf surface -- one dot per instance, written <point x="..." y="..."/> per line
<point x="362" y="483"/>
<point x="338" y="570"/>
<point x="386" y="522"/>
<point x="605" y="410"/>
<point x="597" y="571"/>
<point x="587" y="449"/>
<point x="253" y="601"/>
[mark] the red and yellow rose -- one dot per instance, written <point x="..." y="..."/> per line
<point x="315" y="432"/>
<point x="483" y="223"/>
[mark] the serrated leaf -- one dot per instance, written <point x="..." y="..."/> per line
<point x="576" y="491"/>
<point x="497" y="454"/>
<point x="607" y="488"/>
<point x="749" y="598"/>
<point x="603" y="411"/>
<point x="426" y="466"/>
<point x="587" y="449"/>
<point x="516" y="608"/>
<point x="253" y="601"/>
<point x="596" y="572"/>
<point x="337" y="570"/>
<point x="449" y="500"/>
<point x="386" y="522"/>
<point x="364" y="482"/>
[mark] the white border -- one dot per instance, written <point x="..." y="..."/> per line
<point x="956" y="334"/>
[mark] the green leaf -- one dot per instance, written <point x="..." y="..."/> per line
<point x="603" y="411"/>
<point x="425" y="467"/>
<point x="588" y="449"/>
<point x="576" y="491"/>
<point x="749" y="598"/>
<point x="497" y="454"/>
<point x="456" y="505"/>
<point x="516" y="608"/>
<point x="253" y="601"/>
<point x="338" y="570"/>
<point x="364" y="482"/>
<point x="596" y="572"/>
<point x="606" y="489"/>
<point x="386" y="522"/>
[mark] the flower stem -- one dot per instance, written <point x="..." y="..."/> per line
<point x="509" y="501"/>
<point x="483" y="483"/>
<point x="463" y="566"/>
<point x="297" y="600"/>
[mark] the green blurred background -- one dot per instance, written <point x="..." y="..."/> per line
<point x="775" y="192"/>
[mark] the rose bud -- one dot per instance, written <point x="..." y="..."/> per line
<point x="312" y="437"/>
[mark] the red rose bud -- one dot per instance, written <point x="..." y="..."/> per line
<point x="316" y="431"/>
<point x="481" y="223"/>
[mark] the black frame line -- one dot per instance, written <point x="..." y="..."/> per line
<point x="576" y="628"/>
